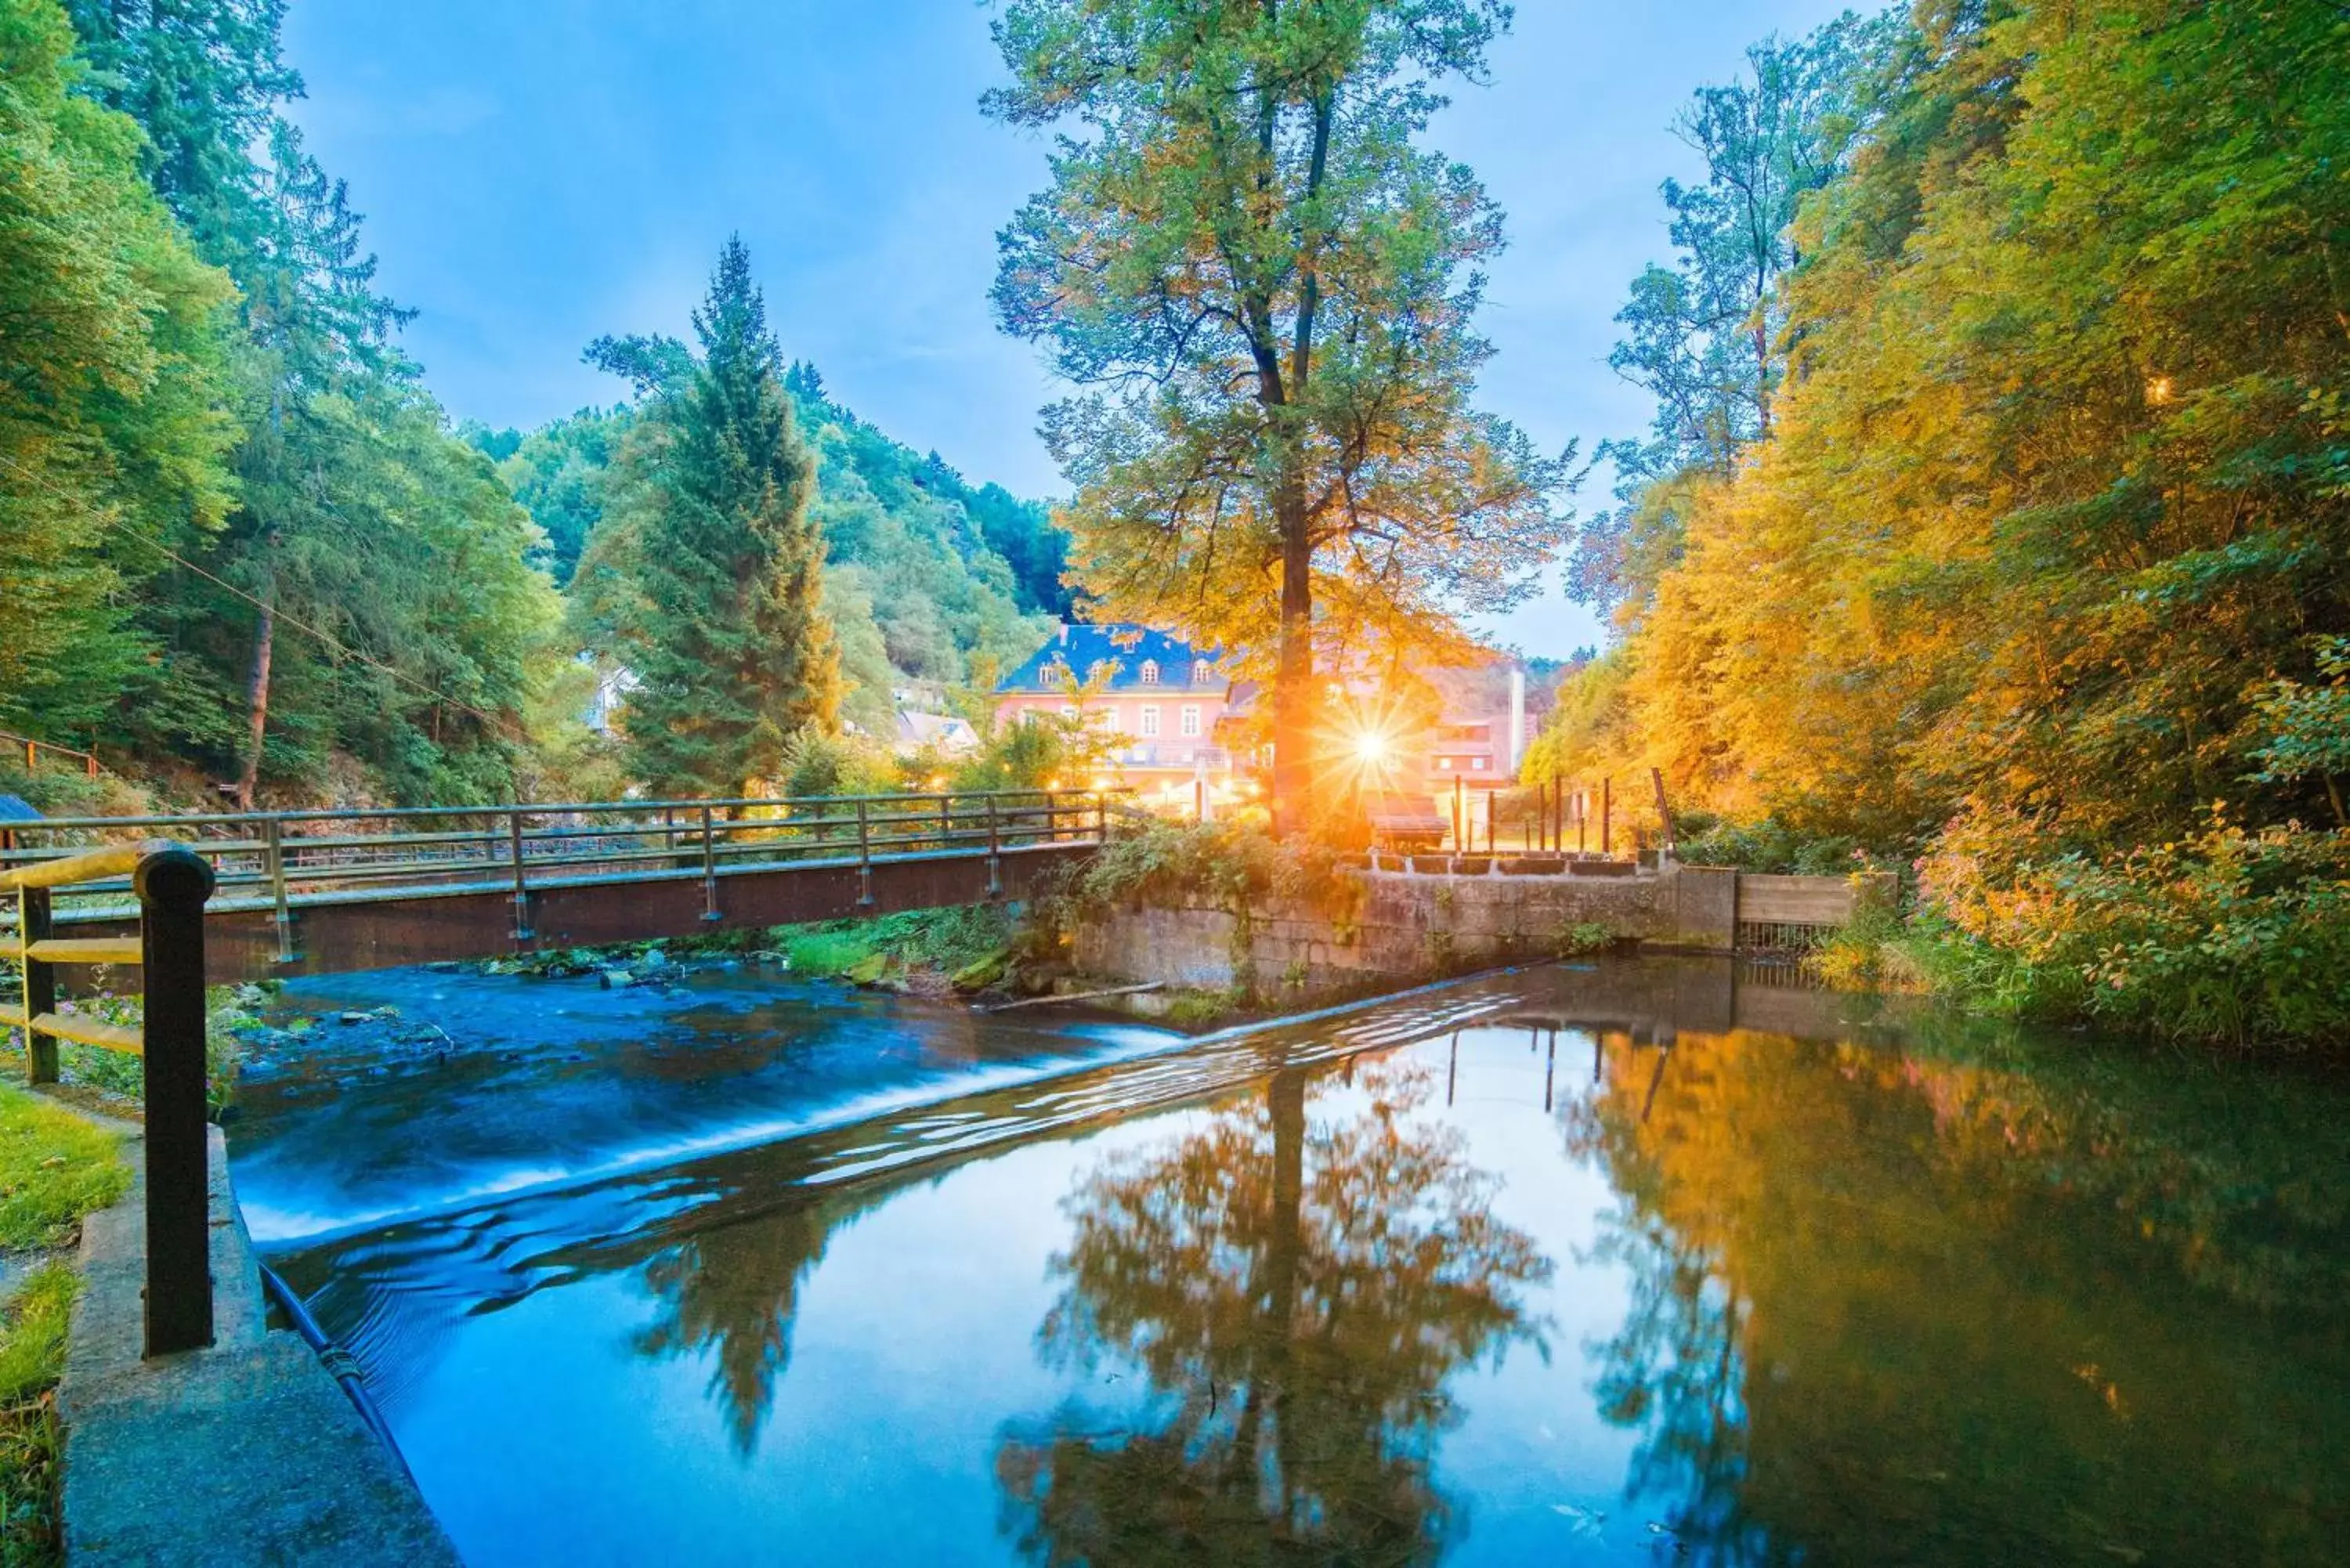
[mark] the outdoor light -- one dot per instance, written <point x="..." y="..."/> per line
<point x="1371" y="747"/>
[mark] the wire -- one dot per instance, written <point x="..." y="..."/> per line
<point x="494" y="721"/>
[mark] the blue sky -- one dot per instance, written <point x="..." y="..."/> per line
<point x="536" y="172"/>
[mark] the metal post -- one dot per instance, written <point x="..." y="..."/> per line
<point x="946" y="823"/>
<point x="994" y="852"/>
<point x="863" y="856"/>
<point x="1606" y="817"/>
<point x="709" y="870"/>
<point x="1460" y="804"/>
<point x="173" y="885"/>
<point x="273" y="854"/>
<point x="40" y="986"/>
<point x="521" y="931"/>
<point x="1582" y="820"/>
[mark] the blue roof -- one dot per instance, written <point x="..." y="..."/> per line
<point x="1079" y="649"/>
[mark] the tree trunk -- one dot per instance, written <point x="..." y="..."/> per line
<point x="256" y="700"/>
<point x="1295" y="701"/>
<point x="1285" y="1243"/>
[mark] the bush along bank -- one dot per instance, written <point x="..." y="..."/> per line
<point x="2230" y="937"/>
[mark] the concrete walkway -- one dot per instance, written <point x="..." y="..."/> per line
<point x="244" y="1453"/>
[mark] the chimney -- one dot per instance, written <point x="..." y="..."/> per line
<point x="1517" y="716"/>
<point x="1064" y="634"/>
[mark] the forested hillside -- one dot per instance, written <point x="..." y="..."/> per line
<point x="1997" y="503"/>
<point x="931" y="580"/>
<point x="249" y="555"/>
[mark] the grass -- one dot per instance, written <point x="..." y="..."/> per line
<point x="32" y="1356"/>
<point x="55" y="1169"/>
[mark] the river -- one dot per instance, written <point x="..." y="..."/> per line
<point x="1633" y="1263"/>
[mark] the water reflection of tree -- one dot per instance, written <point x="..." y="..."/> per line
<point x="1674" y="1368"/>
<point x="1955" y="1307"/>
<point x="1295" y="1291"/>
<point x="732" y="1291"/>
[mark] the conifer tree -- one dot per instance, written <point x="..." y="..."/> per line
<point x="731" y="648"/>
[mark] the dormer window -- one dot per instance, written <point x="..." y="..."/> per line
<point x="1150" y="672"/>
<point x="1202" y="672"/>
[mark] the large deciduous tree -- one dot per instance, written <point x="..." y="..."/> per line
<point x="727" y="637"/>
<point x="1263" y="291"/>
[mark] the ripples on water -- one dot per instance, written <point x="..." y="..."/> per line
<point x="1634" y="1263"/>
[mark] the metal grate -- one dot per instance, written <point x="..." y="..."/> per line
<point x="1781" y="936"/>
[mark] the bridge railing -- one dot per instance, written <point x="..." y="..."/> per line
<point x="172" y="883"/>
<point x="284" y="860"/>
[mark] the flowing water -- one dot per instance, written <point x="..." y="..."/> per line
<point x="1633" y="1263"/>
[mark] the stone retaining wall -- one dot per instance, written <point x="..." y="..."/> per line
<point x="1412" y="923"/>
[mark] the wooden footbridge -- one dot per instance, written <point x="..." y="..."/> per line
<point x="188" y="899"/>
<point x="325" y="891"/>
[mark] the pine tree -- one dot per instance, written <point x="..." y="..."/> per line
<point x="732" y="653"/>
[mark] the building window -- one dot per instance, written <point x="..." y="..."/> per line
<point x="1150" y="672"/>
<point x="1202" y="672"/>
<point x="1444" y="764"/>
<point x="1068" y="709"/>
<point x="1190" y="718"/>
<point x="1477" y="764"/>
<point x="1105" y="720"/>
<point x="1149" y="719"/>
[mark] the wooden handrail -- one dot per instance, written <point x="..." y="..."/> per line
<point x="94" y="866"/>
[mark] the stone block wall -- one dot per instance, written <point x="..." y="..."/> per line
<point x="1407" y="924"/>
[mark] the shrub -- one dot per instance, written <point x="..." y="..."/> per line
<point x="2228" y="936"/>
<point x="1767" y="845"/>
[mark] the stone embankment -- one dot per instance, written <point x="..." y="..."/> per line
<point x="1433" y="915"/>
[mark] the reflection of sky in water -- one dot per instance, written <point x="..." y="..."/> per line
<point x="1987" y="1337"/>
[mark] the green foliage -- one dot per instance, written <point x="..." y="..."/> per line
<point x="2226" y="935"/>
<point x="953" y="940"/>
<point x="927" y="582"/>
<point x="113" y="442"/>
<point x="1765" y="845"/>
<point x="352" y="585"/>
<point x="816" y="763"/>
<point x="2309" y="726"/>
<point x="557" y="474"/>
<point x="2045" y="523"/>
<point x="732" y="652"/>
<point x="1221" y="864"/>
<point x="1264" y="290"/>
<point x="1584" y="938"/>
